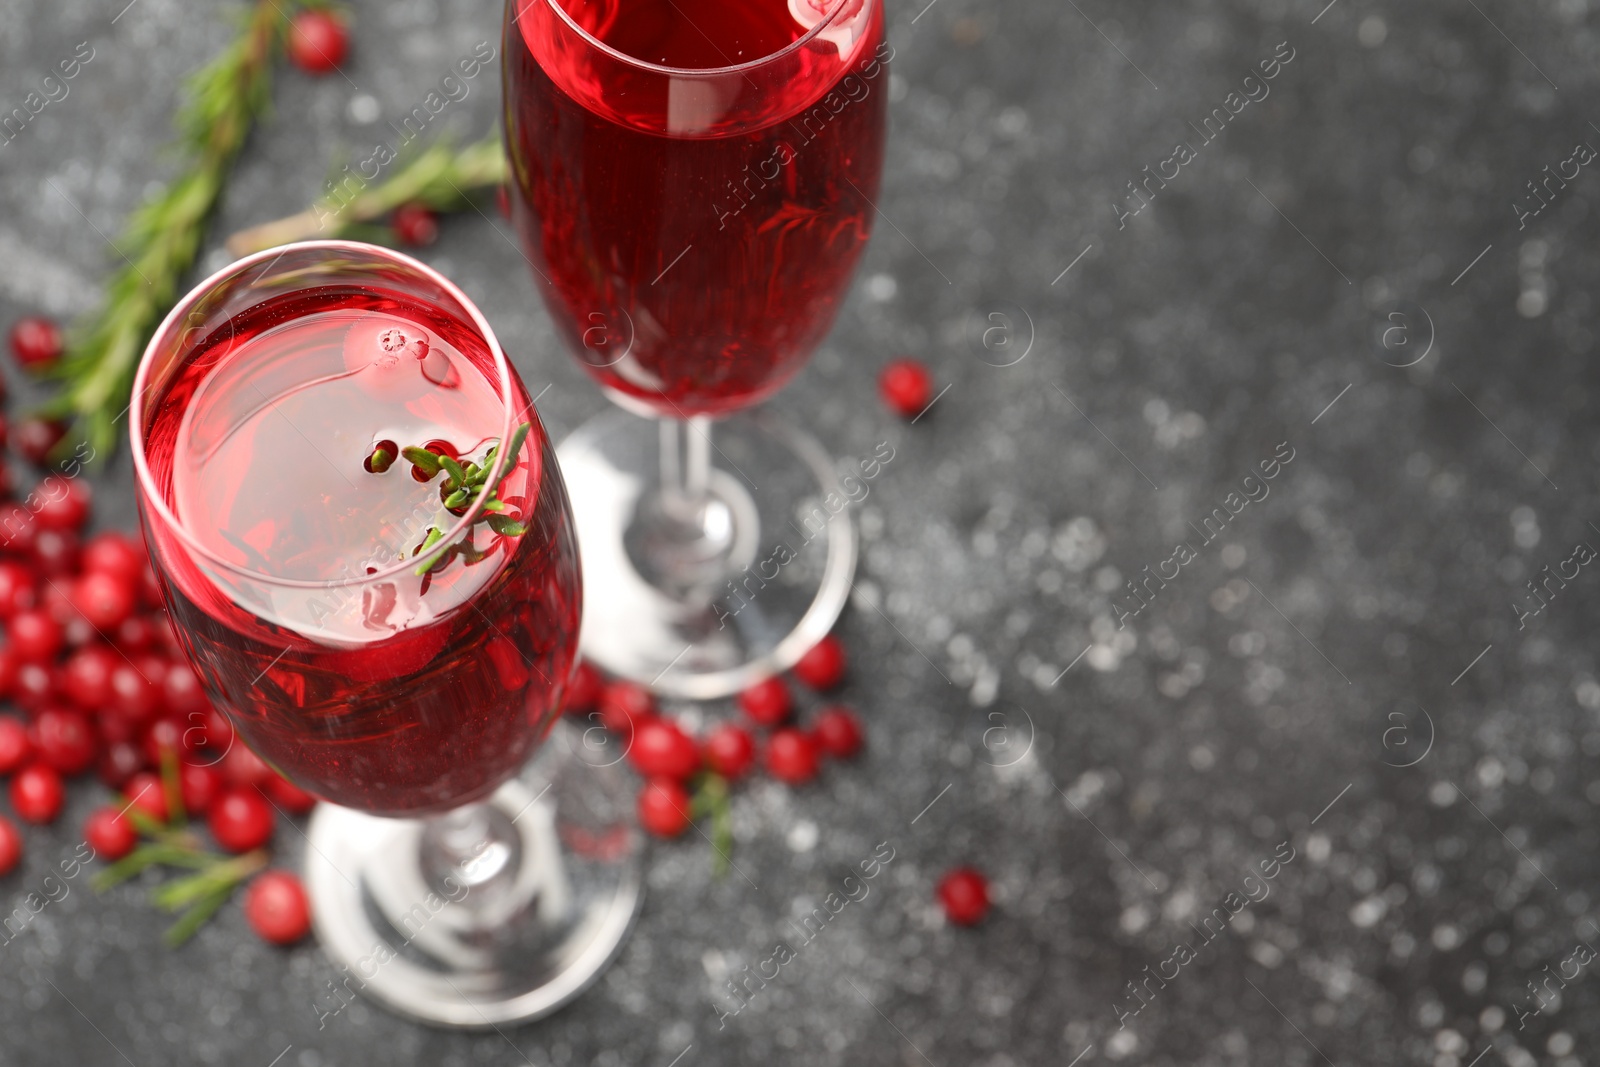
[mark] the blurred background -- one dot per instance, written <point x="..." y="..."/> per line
<point x="1361" y="274"/>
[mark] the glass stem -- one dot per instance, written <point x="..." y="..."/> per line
<point x="470" y="853"/>
<point x="686" y="462"/>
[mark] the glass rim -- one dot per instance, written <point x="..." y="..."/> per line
<point x="149" y="492"/>
<point x="689" y="72"/>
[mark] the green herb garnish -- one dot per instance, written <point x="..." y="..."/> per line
<point x="463" y="486"/>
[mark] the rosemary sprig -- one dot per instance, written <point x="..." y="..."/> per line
<point x="162" y="237"/>
<point x="711" y="798"/>
<point x="439" y="178"/>
<point x="171" y="844"/>
<point x="463" y="485"/>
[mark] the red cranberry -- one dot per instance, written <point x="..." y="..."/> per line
<point x="906" y="387"/>
<point x="56" y="552"/>
<point x="661" y="749"/>
<point x="146" y="792"/>
<point x="181" y="687"/>
<point x="288" y="796"/>
<point x="10" y="845"/>
<point x="61" y="503"/>
<point x="3" y="424"/>
<point x="823" y="667"/>
<point x="66" y="740"/>
<point x="18" y="531"/>
<point x="35" y="636"/>
<point x="134" y="634"/>
<point x="199" y="786"/>
<point x="730" y="751"/>
<point x="664" y="807"/>
<point x="86" y="678"/>
<point x="36" y="438"/>
<point x="37" y="793"/>
<point x="163" y="736"/>
<point x="114" y="554"/>
<point x="210" y="730"/>
<point x="243" y="767"/>
<point x="965" y="896"/>
<point x="36" y="342"/>
<point x="16" y="748"/>
<point x="35" y="686"/>
<point x="792" y="756"/>
<point x="277" y="908"/>
<point x="154" y="667"/>
<point x="415" y="225"/>
<point x="317" y="42"/>
<point x="132" y="694"/>
<point x="624" y="705"/>
<point x="10" y="662"/>
<point x="837" y="731"/>
<point x="110" y="833"/>
<point x="241" y="819"/>
<point x="18" y="591"/>
<point x="767" y="702"/>
<point x="583" y="691"/>
<point x="105" y="601"/>
<point x="119" y="761"/>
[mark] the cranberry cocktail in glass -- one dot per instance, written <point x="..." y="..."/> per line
<point x="693" y="186"/>
<point x="366" y="548"/>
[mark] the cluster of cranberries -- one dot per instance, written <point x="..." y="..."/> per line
<point x="668" y="756"/>
<point x="90" y="660"/>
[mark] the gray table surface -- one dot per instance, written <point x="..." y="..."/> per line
<point x="1343" y="669"/>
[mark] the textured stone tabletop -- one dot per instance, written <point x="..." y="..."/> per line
<point x="1340" y="678"/>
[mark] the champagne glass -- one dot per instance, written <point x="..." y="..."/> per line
<point x="365" y="546"/>
<point x="693" y="185"/>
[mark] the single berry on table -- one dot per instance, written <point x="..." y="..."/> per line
<point x="415" y="225"/>
<point x="906" y="386"/>
<point x="103" y="599"/>
<point x="10" y="845"/>
<point x="36" y="342"/>
<point x="86" y="678"/>
<point x="277" y="908"/>
<point x="18" y="589"/>
<point x="664" y="807"/>
<point x="964" y="893"/>
<point x="822" y="668"/>
<point x="110" y="833"/>
<point x="792" y="756"/>
<point x="837" y="731"/>
<point x="35" y="685"/>
<point x="35" y="636"/>
<point x="767" y="702"/>
<point x="114" y="554"/>
<point x="583" y="691"/>
<point x="35" y="437"/>
<point x="241" y="819"/>
<point x="730" y="751"/>
<point x="243" y="767"/>
<point x="66" y="740"/>
<point x="119" y="761"/>
<point x="16" y="748"/>
<point x="317" y="42"/>
<point x="624" y="705"/>
<point x="56" y="552"/>
<point x="133" y="696"/>
<point x="661" y="749"/>
<point x="146" y="792"/>
<point x="37" y="793"/>
<point x="62" y="503"/>
<point x="199" y="786"/>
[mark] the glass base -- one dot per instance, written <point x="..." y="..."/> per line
<point x="544" y="891"/>
<point x="699" y="599"/>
